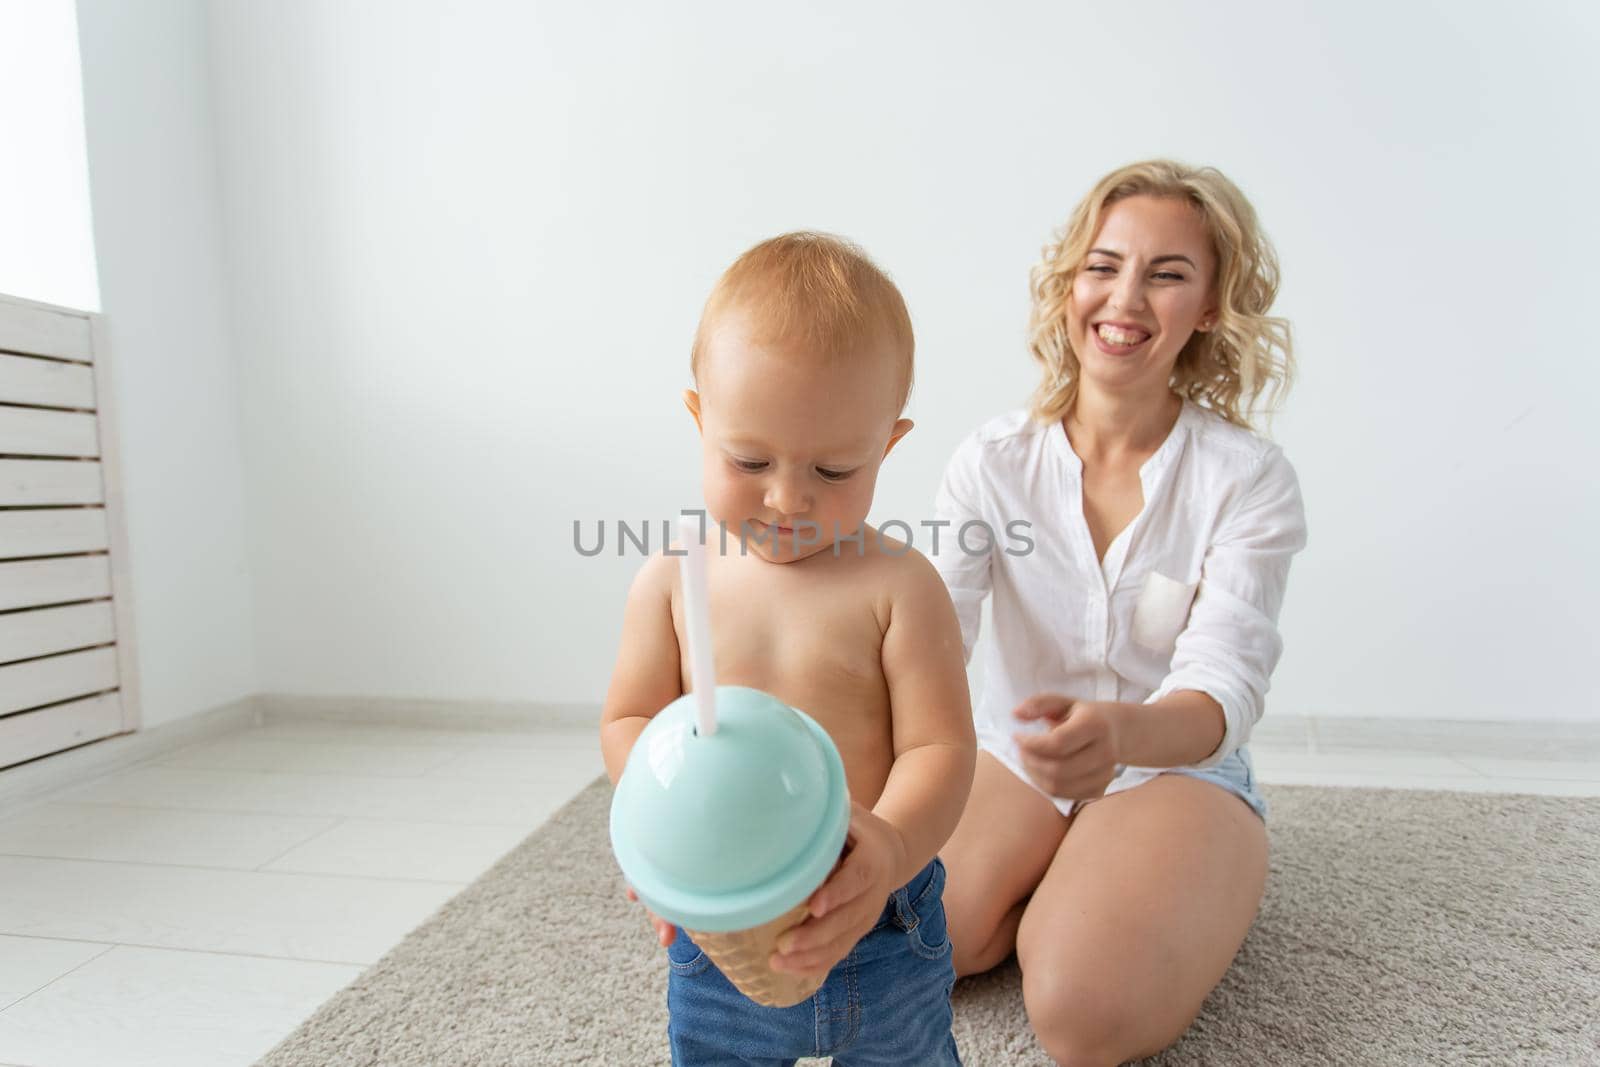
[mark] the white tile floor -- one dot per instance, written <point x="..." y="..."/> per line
<point x="192" y="909"/>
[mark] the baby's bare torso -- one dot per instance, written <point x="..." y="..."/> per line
<point x="811" y="634"/>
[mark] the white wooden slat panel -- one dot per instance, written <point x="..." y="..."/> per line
<point x="28" y="432"/>
<point x="52" y="532"/>
<point x="116" y="519"/>
<point x="44" y="331"/>
<point x="61" y="657"/>
<point x="54" y="678"/>
<point x="46" y="382"/>
<point x="25" y="634"/>
<point x="41" y="582"/>
<point x="39" y="482"/>
<point x="38" y="733"/>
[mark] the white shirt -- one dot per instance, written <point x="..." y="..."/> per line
<point x="1187" y="597"/>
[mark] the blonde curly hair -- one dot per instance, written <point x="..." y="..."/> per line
<point x="1247" y="356"/>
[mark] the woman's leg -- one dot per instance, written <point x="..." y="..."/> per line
<point x="1138" y="918"/>
<point x="1005" y="841"/>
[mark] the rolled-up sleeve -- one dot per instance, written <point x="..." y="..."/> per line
<point x="1230" y="645"/>
<point x="966" y="575"/>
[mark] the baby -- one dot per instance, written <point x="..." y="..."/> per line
<point x="802" y="365"/>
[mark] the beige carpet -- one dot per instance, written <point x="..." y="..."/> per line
<point x="1399" y="928"/>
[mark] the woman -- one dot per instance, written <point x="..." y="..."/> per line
<point x="1114" y="835"/>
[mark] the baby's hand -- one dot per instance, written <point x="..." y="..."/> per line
<point x="666" y="933"/>
<point x="849" y="902"/>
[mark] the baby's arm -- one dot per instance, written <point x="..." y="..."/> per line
<point x="934" y="746"/>
<point x="922" y="798"/>
<point x="647" y="676"/>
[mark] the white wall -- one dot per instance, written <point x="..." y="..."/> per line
<point x="158" y="234"/>
<point x="468" y="244"/>
<point x="46" y="248"/>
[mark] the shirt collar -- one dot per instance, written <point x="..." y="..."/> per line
<point x="1162" y="458"/>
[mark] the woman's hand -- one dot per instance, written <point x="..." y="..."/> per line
<point x="849" y="902"/>
<point x="1079" y="754"/>
<point x="666" y="933"/>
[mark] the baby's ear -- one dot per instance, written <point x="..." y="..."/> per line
<point x="901" y="428"/>
<point x="691" y="400"/>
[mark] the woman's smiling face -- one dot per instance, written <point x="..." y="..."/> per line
<point x="1143" y="289"/>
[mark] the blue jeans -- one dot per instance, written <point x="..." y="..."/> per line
<point x="886" y="1004"/>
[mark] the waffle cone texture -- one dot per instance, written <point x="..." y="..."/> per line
<point x="742" y="955"/>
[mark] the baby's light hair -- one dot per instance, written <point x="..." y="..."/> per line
<point x="1245" y="356"/>
<point x="816" y="292"/>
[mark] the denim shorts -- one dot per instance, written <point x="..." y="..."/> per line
<point x="886" y="1004"/>
<point x="1236" y="774"/>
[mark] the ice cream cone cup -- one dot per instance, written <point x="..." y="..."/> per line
<point x="723" y="830"/>
<point x="742" y="955"/>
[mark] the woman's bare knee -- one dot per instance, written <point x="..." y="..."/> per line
<point x="1081" y="1022"/>
<point x="1005" y="841"/>
<point x="1065" y="1014"/>
<point x="976" y="912"/>
<point x="981" y="947"/>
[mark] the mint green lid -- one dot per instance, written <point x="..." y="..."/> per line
<point x="729" y="831"/>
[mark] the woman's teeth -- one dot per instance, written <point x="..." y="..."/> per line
<point x="1113" y="335"/>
